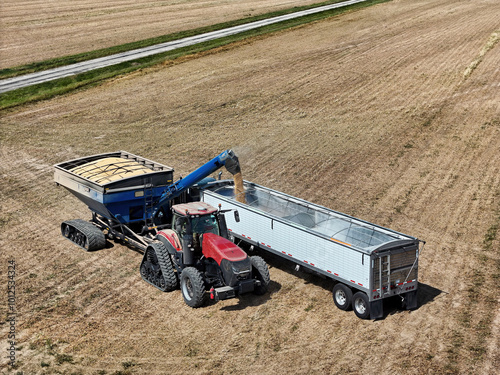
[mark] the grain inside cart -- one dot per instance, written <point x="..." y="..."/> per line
<point x="369" y="262"/>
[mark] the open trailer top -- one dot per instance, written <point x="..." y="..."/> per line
<point x="369" y="262"/>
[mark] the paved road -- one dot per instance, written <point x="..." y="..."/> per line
<point x="85" y="66"/>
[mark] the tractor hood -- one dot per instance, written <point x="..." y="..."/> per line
<point x="219" y="248"/>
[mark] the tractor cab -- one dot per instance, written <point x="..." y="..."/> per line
<point x="191" y="220"/>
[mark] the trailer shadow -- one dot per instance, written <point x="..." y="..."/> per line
<point x="426" y="294"/>
<point x="111" y="245"/>
<point x="393" y="305"/>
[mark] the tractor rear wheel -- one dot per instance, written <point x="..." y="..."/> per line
<point x="260" y="272"/>
<point x="193" y="287"/>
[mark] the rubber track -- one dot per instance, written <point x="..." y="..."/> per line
<point x="166" y="267"/>
<point x="95" y="237"/>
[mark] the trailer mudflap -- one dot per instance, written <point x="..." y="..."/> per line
<point x="376" y="309"/>
<point x="411" y="300"/>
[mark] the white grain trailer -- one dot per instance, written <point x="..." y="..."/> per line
<point x="369" y="262"/>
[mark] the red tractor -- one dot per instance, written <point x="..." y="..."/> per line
<point x="198" y="253"/>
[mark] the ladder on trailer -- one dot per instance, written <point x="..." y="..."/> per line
<point x="385" y="273"/>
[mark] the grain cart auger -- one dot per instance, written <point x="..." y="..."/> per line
<point x="133" y="200"/>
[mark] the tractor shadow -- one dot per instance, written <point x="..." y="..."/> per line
<point x="392" y="306"/>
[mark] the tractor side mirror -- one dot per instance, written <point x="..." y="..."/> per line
<point x="237" y="216"/>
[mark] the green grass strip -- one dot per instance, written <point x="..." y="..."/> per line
<point x="64" y="85"/>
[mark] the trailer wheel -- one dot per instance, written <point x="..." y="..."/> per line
<point x="260" y="272"/>
<point x="342" y="296"/>
<point x="193" y="287"/>
<point x="361" y="305"/>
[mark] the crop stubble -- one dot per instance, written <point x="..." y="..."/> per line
<point x="369" y="113"/>
<point x="35" y="30"/>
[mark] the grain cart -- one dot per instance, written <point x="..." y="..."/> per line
<point x="133" y="199"/>
<point x="368" y="262"/>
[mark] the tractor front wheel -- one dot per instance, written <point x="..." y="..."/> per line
<point x="260" y="272"/>
<point x="193" y="287"/>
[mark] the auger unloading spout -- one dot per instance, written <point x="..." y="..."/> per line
<point x="233" y="167"/>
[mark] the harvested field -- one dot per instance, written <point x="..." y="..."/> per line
<point x="35" y="30"/>
<point x="390" y="114"/>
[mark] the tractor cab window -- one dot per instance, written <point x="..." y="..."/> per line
<point x="201" y="225"/>
<point x="191" y="229"/>
<point x="179" y="224"/>
<point x="205" y="224"/>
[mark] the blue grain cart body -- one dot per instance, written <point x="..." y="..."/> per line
<point x="111" y="185"/>
<point x="129" y="189"/>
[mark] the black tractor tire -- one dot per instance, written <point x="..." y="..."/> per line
<point x="342" y="296"/>
<point x="260" y="272"/>
<point x="193" y="287"/>
<point x="361" y="305"/>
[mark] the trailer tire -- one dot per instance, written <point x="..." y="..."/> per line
<point x="193" y="287"/>
<point x="361" y="305"/>
<point x="260" y="271"/>
<point x="342" y="296"/>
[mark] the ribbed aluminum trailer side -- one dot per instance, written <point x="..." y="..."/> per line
<point x="369" y="262"/>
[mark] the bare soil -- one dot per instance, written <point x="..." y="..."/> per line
<point x="35" y="30"/>
<point x="390" y="114"/>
